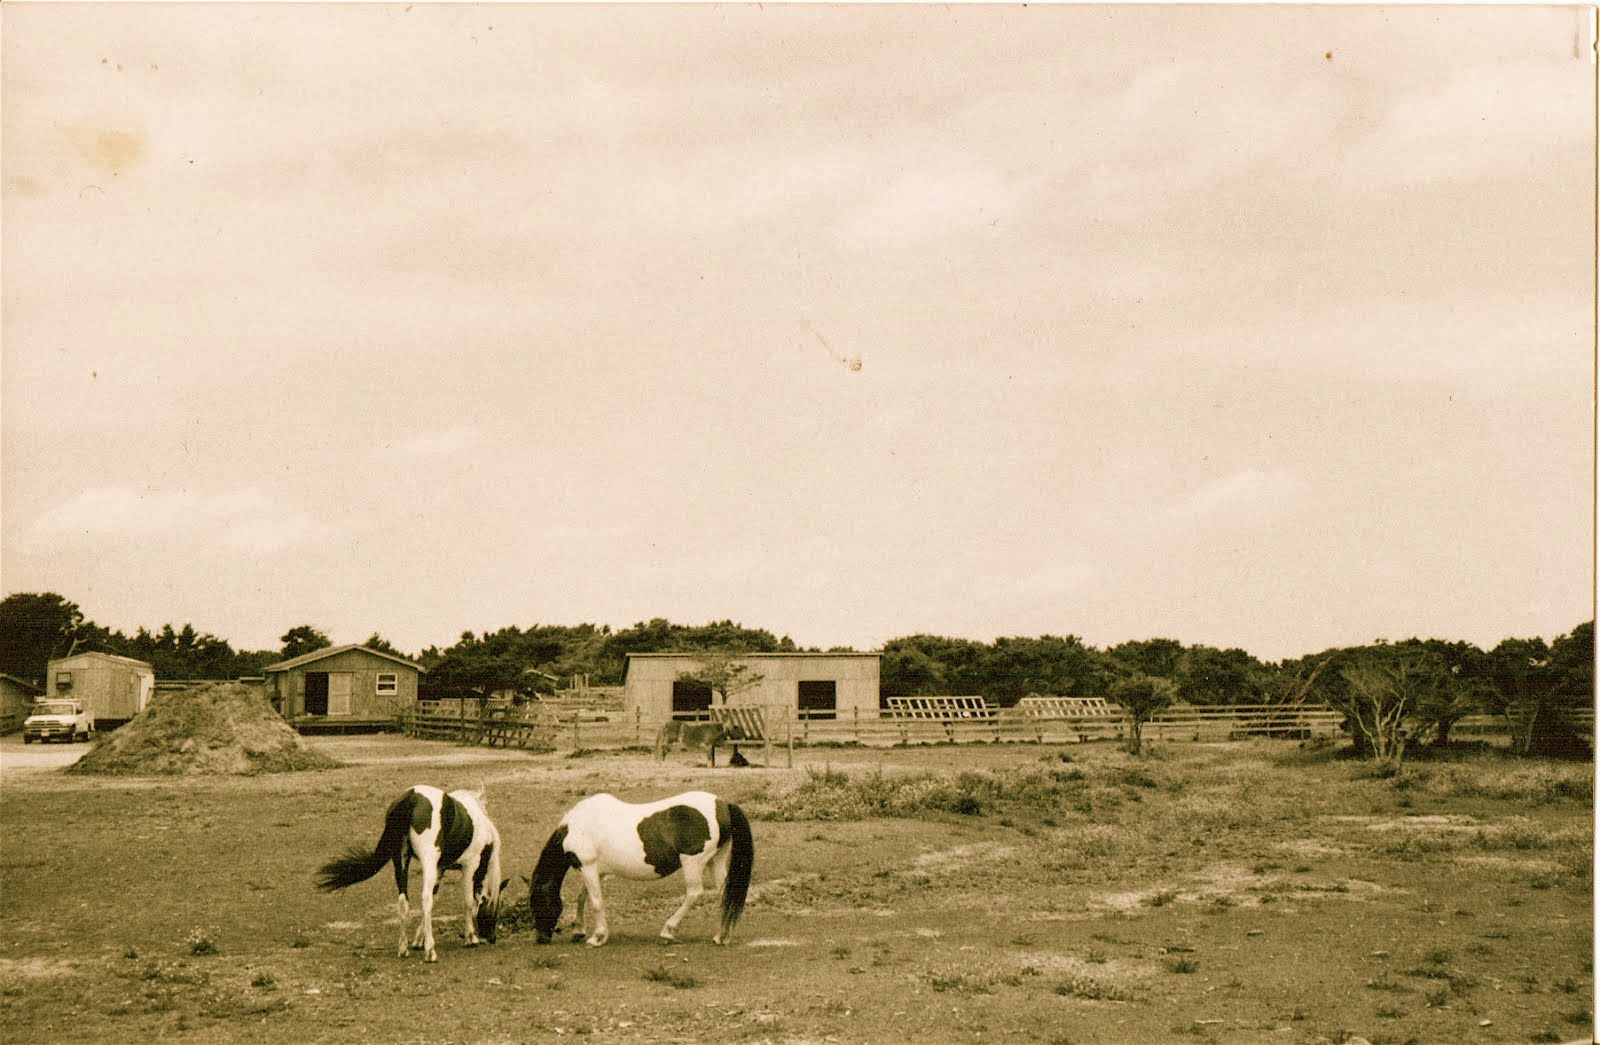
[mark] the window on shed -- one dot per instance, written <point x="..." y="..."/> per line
<point x="63" y="680"/>
<point x="819" y="699"/>
<point x="388" y="683"/>
<point x="690" y="697"/>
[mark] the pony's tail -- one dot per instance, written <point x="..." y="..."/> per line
<point x="358" y="864"/>
<point x="740" y="863"/>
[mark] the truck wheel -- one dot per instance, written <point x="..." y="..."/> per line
<point x="27" y="740"/>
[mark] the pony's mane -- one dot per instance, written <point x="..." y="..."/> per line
<point x="554" y="862"/>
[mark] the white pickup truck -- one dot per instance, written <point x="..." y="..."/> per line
<point x="57" y="720"/>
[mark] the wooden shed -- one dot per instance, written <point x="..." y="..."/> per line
<point x="16" y="700"/>
<point x="343" y="685"/>
<point x="819" y="685"/>
<point x="111" y="688"/>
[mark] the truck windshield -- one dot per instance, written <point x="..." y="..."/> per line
<point x="54" y="709"/>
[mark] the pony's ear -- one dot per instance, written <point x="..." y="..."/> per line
<point x="506" y="882"/>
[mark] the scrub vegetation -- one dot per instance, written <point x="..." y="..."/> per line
<point x="1240" y="892"/>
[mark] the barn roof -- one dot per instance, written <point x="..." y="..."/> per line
<point x="333" y="651"/>
<point x="116" y="658"/>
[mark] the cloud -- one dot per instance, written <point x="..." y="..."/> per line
<point x="1484" y="120"/>
<point x="245" y="521"/>
<point x="441" y="442"/>
<point x="1243" y="496"/>
<point x="923" y="203"/>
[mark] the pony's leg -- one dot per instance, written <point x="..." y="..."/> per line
<point x="692" y="891"/>
<point x="402" y="872"/>
<point x="585" y="912"/>
<point x="430" y="885"/>
<point x="720" y="860"/>
<point x="593" y="899"/>
<point x="403" y="908"/>
<point x="471" y="906"/>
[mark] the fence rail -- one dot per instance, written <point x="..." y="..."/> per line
<point x="543" y="727"/>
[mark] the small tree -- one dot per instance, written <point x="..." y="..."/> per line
<point x="302" y="639"/>
<point x="724" y="671"/>
<point x="1379" y="693"/>
<point x="1141" y="696"/>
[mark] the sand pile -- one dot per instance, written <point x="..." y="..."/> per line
<point x="221" y="728"/>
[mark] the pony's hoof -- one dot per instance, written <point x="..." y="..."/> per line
<point x="595" y="941"/>
<point x="432" y="957"/>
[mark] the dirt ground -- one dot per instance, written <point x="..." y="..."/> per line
<point x="1240" y="892"/>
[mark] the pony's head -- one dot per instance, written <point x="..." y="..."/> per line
<point x="488" y="917"/>
<point x="544" y="888"/>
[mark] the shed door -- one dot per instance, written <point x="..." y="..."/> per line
<point x="316" y="702"/>
<point x="339" y="686"/>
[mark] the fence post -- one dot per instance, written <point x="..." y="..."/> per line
<point x="638" y="726"/>
<point x="855" y="714"/>
<point x="576" y="717"/>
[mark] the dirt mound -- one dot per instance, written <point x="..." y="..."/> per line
<point x="222" y="728"/>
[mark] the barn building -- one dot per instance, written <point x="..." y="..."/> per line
<point x="821" y="685"/>
<point x="16" y="701"/>
<point x="343" y="685"/>
<point x="113" y="689"/>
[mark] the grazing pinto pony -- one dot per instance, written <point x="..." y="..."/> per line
<point x="603" y="835"/>
<point x="440" y="831"/>
<point x="698" y="735"/>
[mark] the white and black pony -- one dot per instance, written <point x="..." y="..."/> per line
<point x="603" y="835"/>
<point x="441" y="831"/>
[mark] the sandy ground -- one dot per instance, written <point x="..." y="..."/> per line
<point x="18" y="758"/>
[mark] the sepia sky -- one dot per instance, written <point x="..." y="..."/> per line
<point x="1258" y="327"/>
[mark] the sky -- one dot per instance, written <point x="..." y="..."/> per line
<point x="1257" y="327"/>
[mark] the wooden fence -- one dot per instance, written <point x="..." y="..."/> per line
<point x="1035" y="720"/>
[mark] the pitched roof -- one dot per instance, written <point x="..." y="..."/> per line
<point x="333" y="651"/>
<point x="24" y="683"/>
<point x="128" y="661"/>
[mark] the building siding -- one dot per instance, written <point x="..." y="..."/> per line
<point x="16" y="702"/>
<point x="112" y="689"/>
<point x="287" y="688"/>
<point x="647" y="690"/>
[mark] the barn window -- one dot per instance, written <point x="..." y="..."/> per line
<point x="819" y="700"/>
<point x="388" y="683"/>
<point x="690" y="699"/>
<point x="63" y="680"/>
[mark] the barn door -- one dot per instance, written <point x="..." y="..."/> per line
<point x="339" y="686"/>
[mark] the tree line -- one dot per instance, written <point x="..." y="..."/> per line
<point x="1392" y="693"/>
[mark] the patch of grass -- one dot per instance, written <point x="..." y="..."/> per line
<point x="264" y="980"/>
<point x="1161" y="899"/>
<point x="960" y="983"/>
<point x="200" y="941"/>
<point x="671" y="977"/>
<point x="1091" y="988"/>
<point x="1181" y="966"/>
